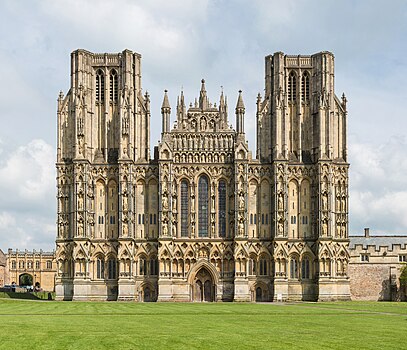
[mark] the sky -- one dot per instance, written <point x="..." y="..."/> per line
<point x="181" y="42"/>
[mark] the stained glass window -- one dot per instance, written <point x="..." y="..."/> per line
<point x="184" y="208"/>
<point x="222" y="208"/>
<point x="203" y="206"/>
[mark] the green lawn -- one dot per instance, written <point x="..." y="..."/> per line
<point x="120" y="325"/>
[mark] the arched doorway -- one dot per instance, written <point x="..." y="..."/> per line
<point x="203" y="287"/>
<point x="147" y="294"/>
<point x="25" y="279"/>
<point x="259" y="294"/>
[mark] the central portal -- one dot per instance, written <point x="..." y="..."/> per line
<point x="203" y="288"/>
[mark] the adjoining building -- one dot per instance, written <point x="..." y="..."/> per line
<point x="3" y="269"/>
<point x="375" y="265"/>
<point x="203" y="220"/>
<point x="27" y="268"/>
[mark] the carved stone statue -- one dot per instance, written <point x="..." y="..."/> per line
<point x="280" y="201"/>
<point x="165" y="202"/>
<point x="241" y="201"/>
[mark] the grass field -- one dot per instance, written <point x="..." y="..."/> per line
<point x="116" y="325"/>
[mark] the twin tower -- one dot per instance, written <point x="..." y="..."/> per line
<point x="201" y="220"/>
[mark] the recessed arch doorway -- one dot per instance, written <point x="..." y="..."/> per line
<point x="203" y="288"/>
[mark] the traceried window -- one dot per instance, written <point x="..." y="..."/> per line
<point x="154" y="266"/>
<point x="100" y="86"/>
<point x="49" y="264"/>
<point x="305" y="268"/>
<point x="143" y="267"/>
<point x="263" y="266"/>
<point x="222" y="208"/>
<point x="402" y="258"/>
<point x="293" y="267"/>
<point x="305" y="87"/>
<point x="111" y="269"/>
<point x="37" y="265"/>
<point x="184" y="208"/>
<point x="113" y="86"/>
<point x="292" y="87"/>
<point x="203" y="204"/>
<point x="13" y="265"/>
<point x="100" y="268"/>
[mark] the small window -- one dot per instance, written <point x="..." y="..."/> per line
<point x="49" y="264"/>
<point x="364" y="257"/>
<point x="37" y="265"/>
<point x="251" y="219"/>
<point x="267" y="219"/>
<point x="402" y="258"/>
<point x="151" y="219"/>
<point x="13" y="265"/>
<point x="155" y="219"/>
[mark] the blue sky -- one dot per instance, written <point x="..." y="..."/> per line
<point x="182" y="42"/>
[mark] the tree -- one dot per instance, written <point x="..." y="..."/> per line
<point x="403" y="281"/>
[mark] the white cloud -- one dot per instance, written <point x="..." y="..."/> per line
<point x="378" y="195"/>
<point x="27" y="205"/>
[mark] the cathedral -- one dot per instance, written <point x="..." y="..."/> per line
<point x="202" y="219"/>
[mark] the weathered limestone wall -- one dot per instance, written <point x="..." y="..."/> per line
<point x="372" y="281"/>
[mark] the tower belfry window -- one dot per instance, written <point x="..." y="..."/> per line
<point x="292" y="87"/>
<point x="305" y="87"/>
<point x="113" y="86"/>
<point x="100" y="86"/>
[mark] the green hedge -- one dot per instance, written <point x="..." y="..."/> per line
<point x="30" y="296"/>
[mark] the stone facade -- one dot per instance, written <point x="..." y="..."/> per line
<point x="3" y="269"/>
<point x="203" y="220"/>
<point x="374" y="266"/>
<point x="36" y="266"/>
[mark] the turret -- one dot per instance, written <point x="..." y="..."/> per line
<point x="223" y="110"/>
<point x="240" y="114"/>
<point x="165" y="112"/>
<point x="203" y="99"/>
<point x="181" y="110"/>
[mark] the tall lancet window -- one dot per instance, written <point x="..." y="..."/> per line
<point x="222" y="208"/>
<point x="100" y="86"/>
<point x="203" y="206"/>
<point x="305" y="87"/>
<point x="113" y="85"/>
<point x="184" y="208"/>
<point x="292" y="87"/>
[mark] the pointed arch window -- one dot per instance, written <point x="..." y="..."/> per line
<point x="222" y="208"/>
<point x="292" y="87"/>
<point x="305" y="87"/>
<point x="100" y="268"/>
<point x="184" y="208"/>
<point x="112" y="269"/>
<point x="293" y="267"/>
<point x="113" y="85"/>
<point x="203" y="206"/>
<point x="100" y="86"/>
<point x="305" y="268"/>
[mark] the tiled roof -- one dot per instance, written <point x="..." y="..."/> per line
<point x="378" y="241"/>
